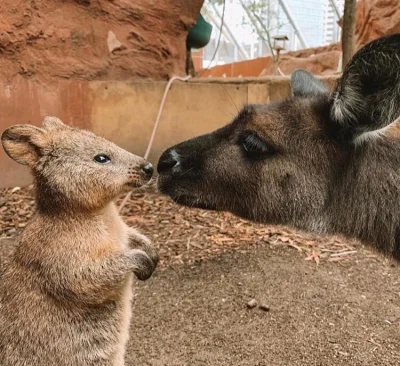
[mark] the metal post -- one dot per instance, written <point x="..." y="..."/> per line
<point x="209" y="15"/>
<point x="335" y="8"/>
<point x="293" y="22"/>
<point x="231" y="36"/>
<point x="254" y="22"/>
<point x="260" y="47"/>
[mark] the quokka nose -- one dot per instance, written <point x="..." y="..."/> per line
<point x="147" y="170"/>
<point x="169" y="159"/>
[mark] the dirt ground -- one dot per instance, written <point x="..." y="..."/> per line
<point x="330" y="301"/>
<point x="333" y="314"/>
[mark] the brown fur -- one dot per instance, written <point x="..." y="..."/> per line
<point x="319" y="161"/>
<point x="65" y="295"/>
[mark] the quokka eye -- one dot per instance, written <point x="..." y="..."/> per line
<point x="254" y="147"/>
<point x="102" y="159"/>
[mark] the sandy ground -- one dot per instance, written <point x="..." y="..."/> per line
<point x="335" y="314"/>
<point x="330" y="301"/>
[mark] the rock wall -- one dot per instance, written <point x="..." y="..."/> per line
<point x="94" y="39"/>
<point x="122" y="39"/>
<point x="318" y="61"/>
<point x="376" y="18"/>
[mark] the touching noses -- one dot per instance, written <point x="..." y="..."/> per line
<point x="147" y="170"/>
<point x="169" y="160"/>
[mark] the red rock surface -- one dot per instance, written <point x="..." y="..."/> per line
<point x="94" y="39"/>
<point x="318" y="61"/>
<point x="376" y="18"/>
<point x="119" y="39"/>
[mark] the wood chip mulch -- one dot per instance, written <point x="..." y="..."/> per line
<point x="190" y="236"/>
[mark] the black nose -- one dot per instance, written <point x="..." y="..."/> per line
<point x="148" y="170"/>
<point x="168" y="160"/>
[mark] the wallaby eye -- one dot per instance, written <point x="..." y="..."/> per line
<point x="102" y="159"/>
<point x="253" y="146"/>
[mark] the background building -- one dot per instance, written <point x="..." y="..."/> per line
<point x="243" y="37"/>
<point x="331" y="28"/>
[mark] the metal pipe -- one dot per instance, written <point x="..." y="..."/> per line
<point x="231" y="36"/>
<point x="294" y="24"/>
<point x="254" y="22"/>
<point x="335" y="8"/>
<point x="211" y="17"/>
<point x="223" y="31"/>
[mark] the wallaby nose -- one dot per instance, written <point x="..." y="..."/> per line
<point x="147" y="170"/>
<point x="169" y="159"/>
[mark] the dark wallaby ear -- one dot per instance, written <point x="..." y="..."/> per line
<point x="305" y="84"/>
<point x="23" y="143"/>
<point x="53" y="123"/>
<point x="367" y="97"/>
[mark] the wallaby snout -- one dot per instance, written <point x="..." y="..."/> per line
<point x="169" y="161"/>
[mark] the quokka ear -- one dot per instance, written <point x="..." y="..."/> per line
<point x="305" y="85"/>
<point x="24" y="143"/>
<point x="367" y="97"/>
<point x="53" y="123"/>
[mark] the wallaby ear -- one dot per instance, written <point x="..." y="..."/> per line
<point x="304" y="84"/>
<point x="24" y="143"/>
<point x="53" y="123"/>
<point x="367" y="97"/>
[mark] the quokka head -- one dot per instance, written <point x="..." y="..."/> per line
<point x="73" y="168"/>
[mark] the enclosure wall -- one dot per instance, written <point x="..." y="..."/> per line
<point x="124" y="112"/>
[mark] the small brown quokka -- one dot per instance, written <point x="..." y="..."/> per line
<point x="65" y="295"/>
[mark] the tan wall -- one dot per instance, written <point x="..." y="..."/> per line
<point x="124" y="112"/>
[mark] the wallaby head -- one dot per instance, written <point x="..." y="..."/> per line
<point x="74" y="169"/>
<point x="319" y="161"/>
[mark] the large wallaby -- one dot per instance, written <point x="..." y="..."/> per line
<point x="65" y="295"/>
<point x="319" y="161"/>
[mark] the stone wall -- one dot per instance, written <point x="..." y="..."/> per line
<point x="50" y="40"/>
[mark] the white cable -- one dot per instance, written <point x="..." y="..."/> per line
<point x="146" y="155"/>
<point x="280" y="71"/>
<point x="153" y="134"/>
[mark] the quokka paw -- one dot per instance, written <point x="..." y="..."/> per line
<point x="144" y="266"/>
<point x="141" y="242"/>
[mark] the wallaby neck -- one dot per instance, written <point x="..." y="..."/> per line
<point x="365" y="201"/>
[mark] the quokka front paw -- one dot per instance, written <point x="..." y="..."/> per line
<point x="139" y="241"/>
<point x="152" y="253"/>
<point x="144" y="266"/>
